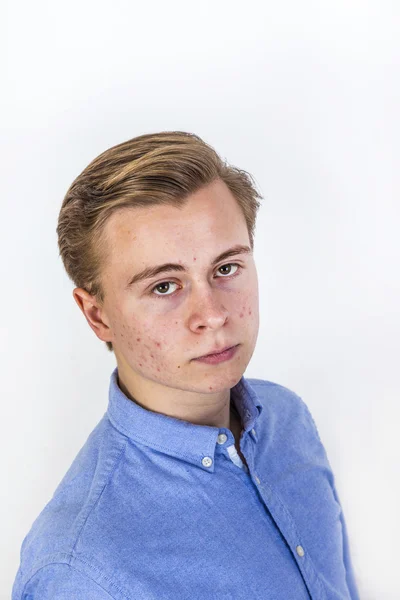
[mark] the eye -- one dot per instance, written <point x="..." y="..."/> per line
<point x="226" y="276"/>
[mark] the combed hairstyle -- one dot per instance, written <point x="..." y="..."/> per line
<point x="155" y="168"/>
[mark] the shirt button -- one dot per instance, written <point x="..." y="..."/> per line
<point x="207" y="461"/>
<point x="222" y="438"/>
<point x="256" y="478"/>
<point x="253" y="432"/>
<point x="299" y="550"/>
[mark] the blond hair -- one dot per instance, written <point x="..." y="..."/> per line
<point x="156" y="168"/>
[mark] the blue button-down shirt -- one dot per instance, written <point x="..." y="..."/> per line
<point x="154" y="508"/>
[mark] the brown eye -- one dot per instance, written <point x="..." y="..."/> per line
<point x="228" y="265"/>
<point x="224" y="276"/>
<point x="160" y="285"/>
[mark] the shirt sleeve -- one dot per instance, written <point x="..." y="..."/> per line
<point x="60" y="581"/>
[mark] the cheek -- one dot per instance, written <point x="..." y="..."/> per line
<point x="152" y="353"/>
<point x="146" y="342"/>
<point x="130" y="331"/>
<point x="247" y="307"/>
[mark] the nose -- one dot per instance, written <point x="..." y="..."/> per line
<point x="208" y="311"/>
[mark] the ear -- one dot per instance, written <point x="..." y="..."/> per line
<point x="94" y="314"/>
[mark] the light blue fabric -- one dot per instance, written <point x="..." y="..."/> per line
<point x="157" y="508"/>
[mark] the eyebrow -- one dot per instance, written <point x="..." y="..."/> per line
<point x="150" y="272"/>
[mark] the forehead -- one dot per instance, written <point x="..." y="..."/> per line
<point x="209" y="218"/>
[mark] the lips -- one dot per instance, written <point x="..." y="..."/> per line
<point x="216" y="351"/>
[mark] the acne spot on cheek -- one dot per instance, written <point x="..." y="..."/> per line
<point x="138" y="339"/>
<point x="210" y="388"/>
<point x="242" y="313"/>
<point x="250" y="311"/>
<point x="158" y="344"/>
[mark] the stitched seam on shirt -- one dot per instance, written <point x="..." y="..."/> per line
<point x="85" y="562"/>
<point x="94" y="503"/>
<point x="55" y="562"/>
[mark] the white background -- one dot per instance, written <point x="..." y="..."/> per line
<point x="303" y="95"/>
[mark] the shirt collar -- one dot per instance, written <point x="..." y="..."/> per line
<point x="172" y="436"/>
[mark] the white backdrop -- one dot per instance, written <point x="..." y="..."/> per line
<point x="303" y="95"/>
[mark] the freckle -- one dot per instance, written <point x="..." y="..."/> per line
<point x="178" y="367"/>
<point x="158" y="369"/>
<point x="241" y="315"/>
<point x="210" y="388"/>
<point x="138" y="339"/>
<point x="250" y="312"/>
<point x="151" y="356"/>
<point x="140" y="365"/>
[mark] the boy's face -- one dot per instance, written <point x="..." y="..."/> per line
<point x="159" y="325"/>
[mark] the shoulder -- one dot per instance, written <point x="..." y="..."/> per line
<point x="48" y="546"/>
<point x="277" y="397"/>
<point x="286" y="410"/>
<point x="59" y="581"/>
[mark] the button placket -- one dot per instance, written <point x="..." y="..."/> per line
<point x="232" y="452"/>
<point x="298" y="547"/>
